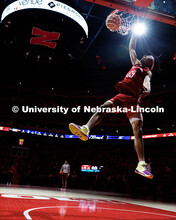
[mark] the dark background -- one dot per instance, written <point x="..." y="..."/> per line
<point x="84" y="73"/>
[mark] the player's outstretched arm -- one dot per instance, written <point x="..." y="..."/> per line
<point x="132" y="52"/>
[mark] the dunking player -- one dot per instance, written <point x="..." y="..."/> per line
<point x="135" y="86"/>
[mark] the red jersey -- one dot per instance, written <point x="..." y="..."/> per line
<point x="132" y="84"/>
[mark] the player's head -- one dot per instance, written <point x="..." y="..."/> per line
<point x="148" y="61"/>
<point x="66" y="162"/>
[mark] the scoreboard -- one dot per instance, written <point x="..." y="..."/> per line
<point x="91" y="168"/>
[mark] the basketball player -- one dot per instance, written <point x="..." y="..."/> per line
<point x="132" y="89"/>
<point x="65" y="172"/>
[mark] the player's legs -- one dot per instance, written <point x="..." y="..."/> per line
<point x="63" y="182"/>
<point x="98" y="116"/>
<point x="138" y="141"/>
<point x="66" y="180"/>
<point x="83" y="131"/>
<point x="136" y="121"/>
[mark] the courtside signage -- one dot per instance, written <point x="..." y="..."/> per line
<point x="99" y="137"/>
<point x="55" y="6"/>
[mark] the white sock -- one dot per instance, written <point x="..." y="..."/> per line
<point x="141" y="162"/>
<point x="86" y="127"/>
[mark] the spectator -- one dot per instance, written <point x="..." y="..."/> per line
<point x="65" y="172"/>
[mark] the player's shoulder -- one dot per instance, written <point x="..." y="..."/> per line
<point x="137" y="67"/>
<point x="147" y="71"/>
<point x="137" y="63"/>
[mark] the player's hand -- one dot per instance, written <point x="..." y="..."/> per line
<point x="139" y="102"/>
<point x="144" y="94"/>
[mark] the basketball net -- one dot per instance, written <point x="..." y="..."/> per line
<point x="127" y="21"/>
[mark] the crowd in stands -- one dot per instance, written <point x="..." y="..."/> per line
<point x="38" y="162"/>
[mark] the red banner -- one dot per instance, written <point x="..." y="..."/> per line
<point x="4" y="128"/>
<point x="157" y="135"/>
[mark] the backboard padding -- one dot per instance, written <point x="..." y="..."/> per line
<point x="128" y="7"/>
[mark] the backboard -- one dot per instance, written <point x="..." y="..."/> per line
<point x="158" y="10"/>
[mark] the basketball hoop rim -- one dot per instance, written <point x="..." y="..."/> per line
<point x="127" y="21"/>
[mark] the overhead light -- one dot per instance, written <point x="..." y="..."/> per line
<point x="139" y="28"/>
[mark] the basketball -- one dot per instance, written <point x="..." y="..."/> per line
<point x="113" y="22"/>
<point x="61" y="173"/>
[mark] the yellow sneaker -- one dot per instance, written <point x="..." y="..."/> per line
<point x="81" y="131"/>
<point x="143" y="170"/>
